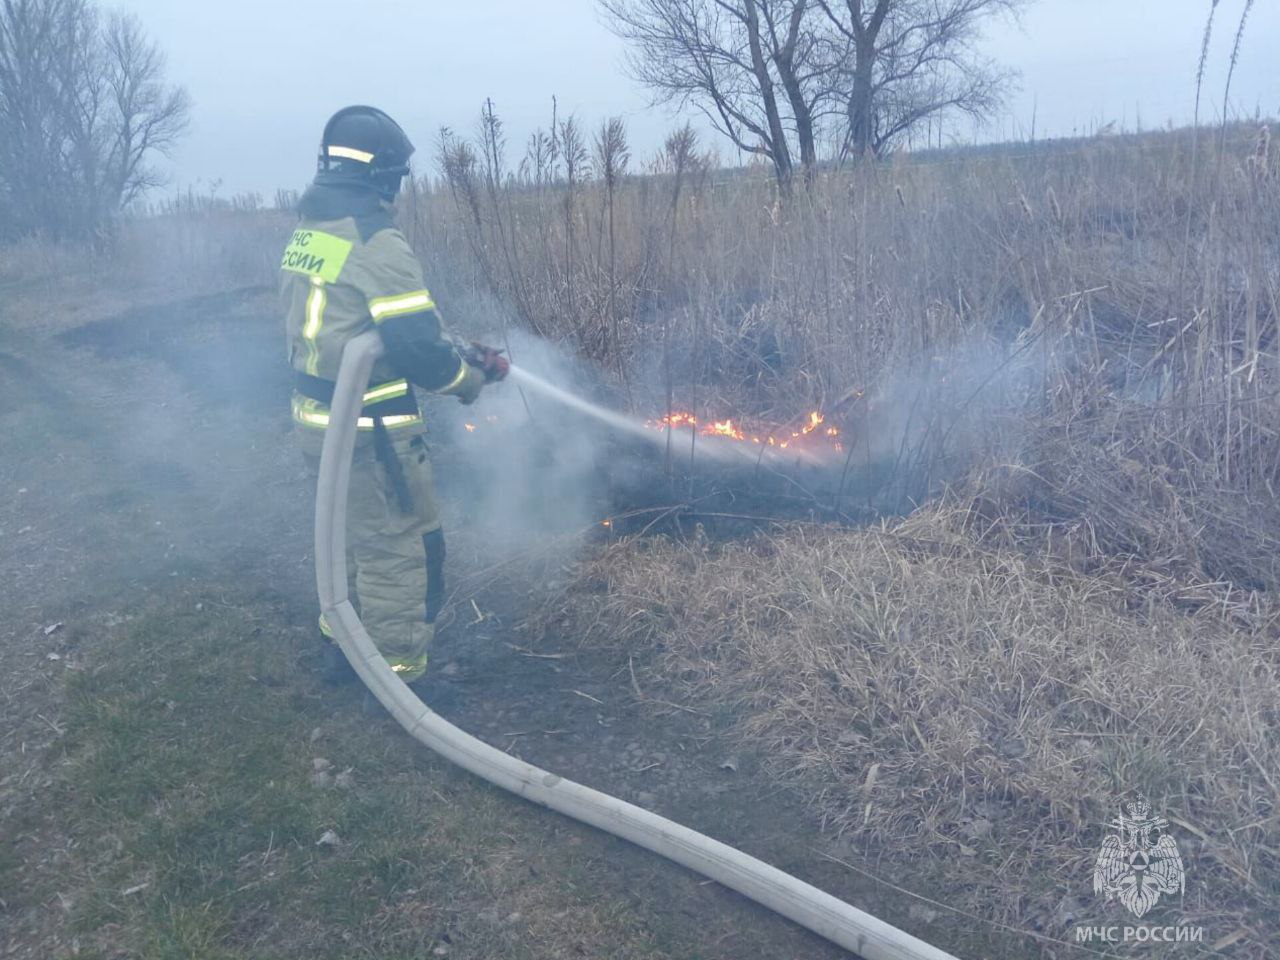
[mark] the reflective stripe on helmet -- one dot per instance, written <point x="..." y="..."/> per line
<point x="350" y="153"/>
<point x="383" y="307"/>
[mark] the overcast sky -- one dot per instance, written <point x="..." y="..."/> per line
<point x="264" y="76"/>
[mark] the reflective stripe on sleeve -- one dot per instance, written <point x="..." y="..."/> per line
<point x="383" y="307"/>
<point x="456" y="381"/>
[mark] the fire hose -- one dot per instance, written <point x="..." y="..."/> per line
<point x="794" y="899"/>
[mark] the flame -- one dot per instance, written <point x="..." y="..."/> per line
<point x="724" y="428"/>
<point x="813" y="431"/>
<point x="673" y="420"/>
<point x="732" y="429"/>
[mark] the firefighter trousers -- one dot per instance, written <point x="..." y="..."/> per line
<point x="395" y="556"/>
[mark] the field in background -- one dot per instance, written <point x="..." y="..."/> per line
<point x="1068" y="354"/>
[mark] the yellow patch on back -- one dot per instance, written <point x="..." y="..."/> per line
<point x="316" y="254"/>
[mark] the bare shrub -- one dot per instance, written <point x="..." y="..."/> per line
<point x="611" y="157"/>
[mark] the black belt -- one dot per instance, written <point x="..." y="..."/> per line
<point x="317" y="388"/>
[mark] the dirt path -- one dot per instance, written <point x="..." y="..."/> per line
<point x="147" y="454"/>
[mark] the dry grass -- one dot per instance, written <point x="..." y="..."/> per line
<point x="178" y="251"/>
<point x="878" y="263"/>
<point x="1138" y="273"/>
<point x="1134" y="278"/>
<point x="968" y="714"/>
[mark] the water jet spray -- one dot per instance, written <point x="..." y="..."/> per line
<point x="727" y="445"/>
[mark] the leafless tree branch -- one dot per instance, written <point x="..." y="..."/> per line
<point x="750" y="66"/>
<point x="909" y="60"/>
<point x="770" y="74"/>
<point x="84" y="107"/>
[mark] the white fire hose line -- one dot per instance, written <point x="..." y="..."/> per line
<point x="808" y="906"/>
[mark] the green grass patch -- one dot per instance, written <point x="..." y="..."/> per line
<point x="192" y="787"/>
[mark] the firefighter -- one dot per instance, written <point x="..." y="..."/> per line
<point x="346" y="270"/>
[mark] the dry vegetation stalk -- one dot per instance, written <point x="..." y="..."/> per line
<point x="966" y="713"/>
<point x="769" y="308"/>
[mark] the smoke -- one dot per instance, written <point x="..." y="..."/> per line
<point x="537" y="458"/>
<point x="546" y="453"/>
<point x="526" y="469"/>
<point x="929" y="419"/>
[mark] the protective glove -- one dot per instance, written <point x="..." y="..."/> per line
<point x="489" y="360"/>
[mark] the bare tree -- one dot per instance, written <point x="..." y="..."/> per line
<point x="751" y="66"/>
<point x="84" y="108"/>
<point x="34" y="39"/>
<point x="910" y="60"/>
<point x="146" y="116"/>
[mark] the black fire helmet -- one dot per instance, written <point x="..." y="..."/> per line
<point x="362" y="145"/>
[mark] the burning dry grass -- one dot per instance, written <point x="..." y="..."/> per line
<point x="972" y="715"/>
